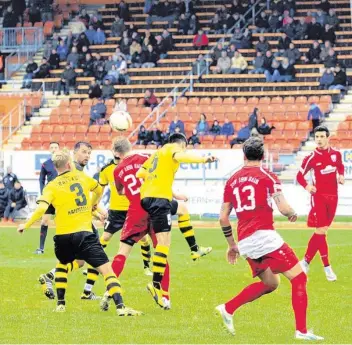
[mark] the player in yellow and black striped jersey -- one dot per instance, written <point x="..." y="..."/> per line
<point x="73" y="195"/>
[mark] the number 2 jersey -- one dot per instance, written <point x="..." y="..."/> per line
<point x="69" y="193"/>
<point x="249" y="190"/>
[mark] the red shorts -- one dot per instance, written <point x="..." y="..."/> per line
<point x="323" y="210"/>
<point x="279" y="261"/>
<point x="136" y="226"/>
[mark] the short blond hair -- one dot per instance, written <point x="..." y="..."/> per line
<point x="61" y="159"/>
<point x="121" y="145"/>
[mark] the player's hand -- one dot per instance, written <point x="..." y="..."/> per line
<point x="293" y="218"/>
<point x="182" y="197"/>
<point x="94" y="207"/>
<point x="211" y="159"/>
<point x="311" y="189"/>
<point x="20" y="229"/>
<point x="232" y="254"/>
<point x="13" y="204"/>
<point x="341" y="179"/>
<point x="103" y="217"/>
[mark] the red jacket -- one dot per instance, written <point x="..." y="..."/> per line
<point x="200" y="41"/>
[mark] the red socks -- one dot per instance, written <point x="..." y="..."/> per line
<point x="248" y="294"/>
<point x="165" y="282"/>
<point x="317" y="243"/>
<point x="118" y="264"/>
<point x="300" y="301"/>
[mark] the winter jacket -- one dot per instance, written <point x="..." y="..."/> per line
<point x="108" y="91"/>
<point x="179" y="124"/>
<point x="200" y="41"/>
<point x="98" y="111"/>
<point x="9" y="180"/>
<point x="54" y="60"/>
<point x="73" y="58"/>
<point x="69" y="74"/>
<point x="202" y="127"/>
<point x="90" y="33"/>
<point x="239" y="62"/>
<point x="18" y="196"/>
<point x="4" y="198"/>
<point x="31" y="67"/>
<point x="117" y="28"/>
<point x="329" y="35"/>
<point x="99" y="38"/>
<point x="314" y="113"/>
<point x="314" y="54"/>
<point x="224" y="63"/>
<point x="194" y="140"/>
<point x="94" y="91"/>
<point x="327" y="79"/>
<point x="284" y="43"/>
<point x="215" y="130"/>
<point x="258" y="62"/>
<point x="340" y="78"/>
<point x="293" y="55"/>
<point x="62" y="51"/>
<point x="315" y="31"/>
<point x="227" y="129"/>
<point x="253" y="121"/>
<point x="243" y="133"/>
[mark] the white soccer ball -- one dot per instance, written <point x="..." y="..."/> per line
<point x="120" y="121"/>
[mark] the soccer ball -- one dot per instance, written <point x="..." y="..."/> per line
<point x="120" y="121"/>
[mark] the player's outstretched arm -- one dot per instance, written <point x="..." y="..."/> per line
<point x="232" y="251"/>
<point x="141" y="173"/>
<point x="97" y="192"/>
<point x="37" y="215"/>
<point x="184" y="157"/>
<point x="178" y="196"/>
<point x="284" y="207"/>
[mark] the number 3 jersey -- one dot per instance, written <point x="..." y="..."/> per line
<point x="69" y="193"/>
<point x="249" y="190"/>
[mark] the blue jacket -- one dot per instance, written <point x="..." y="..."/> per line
<point x="9" y="180"/>
<point x="227" y="129"/>
<point x="62" y="52"/>
<point x="244" y="133"/>
<point x="99" y="38"/>
<point x="314" y="113"/>
<point x="327" y="79"/>
<point x="4" y="198"/>
<point x="202" y="127"/>
<point x="47" y="172"/>
<point x="90" y="35"/>
<point x="98" y="111"/>
<point x="173" y="126"/>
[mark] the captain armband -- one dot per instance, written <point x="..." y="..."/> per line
<point x="227" y="231"/>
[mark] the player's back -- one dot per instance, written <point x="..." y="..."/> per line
<point x="125" y="176"/>
<point x="70" y="195"/>
<point x="161" y="169"/>
<point x="249" y="190"/>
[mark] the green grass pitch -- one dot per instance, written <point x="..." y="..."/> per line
<point x="26" y="316"/>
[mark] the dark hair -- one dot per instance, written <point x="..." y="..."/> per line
<point x="177" y="138"/>
<point x="54" y="142"/>
<point x="82" y="143"/>
<point x="322" y="129"/>
<point x="253" y="149"/>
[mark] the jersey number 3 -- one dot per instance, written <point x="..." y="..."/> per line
<point x="82" y="199"/>
<point x="249" y="204"/>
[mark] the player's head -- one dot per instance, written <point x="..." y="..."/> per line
<point x="82" y="152"/>
<point x="121" y="147"/>
<point x="53" y="147"/>
<point x="61" y="161"/>
<point x="253" y="149"/>
<point x="179" y="139"/>
<point x="321" y="136"/>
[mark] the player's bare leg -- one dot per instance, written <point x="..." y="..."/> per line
<point x="43" y="233"/>
<point x="318" y="242"/>
<point x="298" y="281"/>
<point x="114" y="288"/>
<point x="186" y="228"/>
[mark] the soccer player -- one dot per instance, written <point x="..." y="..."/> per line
<point x="248" y="191"/>
<point x="74" y="195"/>
<point x="328" y="171"/>
<point x="158" y="173"/>
<point x="47" y="174"/>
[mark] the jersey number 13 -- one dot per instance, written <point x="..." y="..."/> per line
<point x="248" y="196"/>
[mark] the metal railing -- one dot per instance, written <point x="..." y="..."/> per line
<point x="16" y="60"/>
<point x="24" y="38"/>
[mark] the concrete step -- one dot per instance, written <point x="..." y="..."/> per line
<point x="45" y="112"/>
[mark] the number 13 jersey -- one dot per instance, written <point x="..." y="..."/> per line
<point x="69" y="193"/>
<point x="249" y="190"/>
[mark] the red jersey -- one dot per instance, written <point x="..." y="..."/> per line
<point x="125" y="176"/>
<point x="325" y="165"/>
<point x="249" y="191"/>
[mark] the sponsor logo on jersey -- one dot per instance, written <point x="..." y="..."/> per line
<point x="328" y="170"/>
<point x="333" y="158"/>
<point x="318" y="164"/>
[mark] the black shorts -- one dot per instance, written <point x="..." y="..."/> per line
<point x="159" y="211"/>
<point x="83" y="245"/>
<point x="50" y="210"/>
<point x="95" y="231"/>
<point x="115" y="221"/>
<point x="174" y="206"/>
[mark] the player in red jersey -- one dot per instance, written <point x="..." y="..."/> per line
<point x="328" y="171"/>
<point x="249" y="191"/>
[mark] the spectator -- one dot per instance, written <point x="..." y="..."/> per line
<point x="222" y="12"/>
<point x="94" y="89"/>
<point x="242" y="135"/>
<point x="9" y="179"/>
<point x="268" y="60"/>
<point x="69" y="41"/>
<point x="328" y="34"/>
<point x="154" y="136"/>
<point x="4" y="197"/>
<point x="108" y="90"/>
<point x="263" y="45"/>
<point x="149" y="39"/>
<point x="314" y="30"/>
<point x="34" y="13"/>
<point x="309" y="17"/>
<point x="2" y="68"/>
<point x="97" y="113"/>
<point x="217" y="51"/>
<point x="62" y="50"/>
<point x="73" y="58"/>
<point x="193" y="25"/>
<point x="90" y="34"/>
<point x="124" y="78"/>
<point x="327" y="79"/>
<point x="183" y="25"/>
<point x="19" y="6"/>
<point x="168" y="40"/>
<point x="160" y="47"/>
<point x="54" y="60"/>
<point x="177" y="123"/>
<point x="68" y="78"/>
<point x="199" y="66"/>
<point x="149" y="58"/>
<point x="262" y="23"/>
<point x="231" y="51"/>
<point x="84" y="16"/>
<point x="10" y="19"/>
<point x="332" y="19"/>
<point x="98" y="61"/>
<point x="215" y="25"/>
<point x="313" y="55"/>
<point x="120" y="105"/>
<point x="301" y="29"/>
<point x="165" y="136"/>
<point x="290" y="6"/>
<point x="253" y="120"/>
<point x="136" y="59"/>
<point x="150" y="99"/>
<point x="194" y="138"/>
<point x="331" y="60"/>
<point x="325" y="50"/>
<point x="215" y="128"/>
<point x="124" y="11"/>
<point x="135" y="47"/>
<point x="117" y="27"/>
<point x="30" y="69"/>
<point x="236" y="38"/>
<point x="17" y="201"/>
<point x="272" y="74"/>
<point x="258" y="64"/>
<point x="324" y="6"/>
<point x="321" y="18"/>
<point x="284" y="44"/>
<point x="286" y="20"/>
<point x="83" y="41"/>
<point x="340" y="79"/>
<point x="264" y="128"/>
<point x="161" y="11"/>
<point x="44" y="69"/>
<point x="235" y="7"/>
<point x="142" y="136"/>
<point x="224" y="63"/>
<point x="202" y="125"/>
<point x="77" y="27"/>
<point x="274" y="21"/>
<point x="238" y="64"/>
<point x="287" y="70"/>
<point x="290" y="30"/>
<point x="88" y="66"/>
<point x="55" y="40"/>
<point x="227" y="128"/>
<point x="125" y="47"/>
<point x="277" y="5"/>
<point x="109" y="63"/>
<point x="293" y="54"/>
<point x="99" y="37"/>
<point x="200" y="40"/>
<point x="315" y="115"/>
